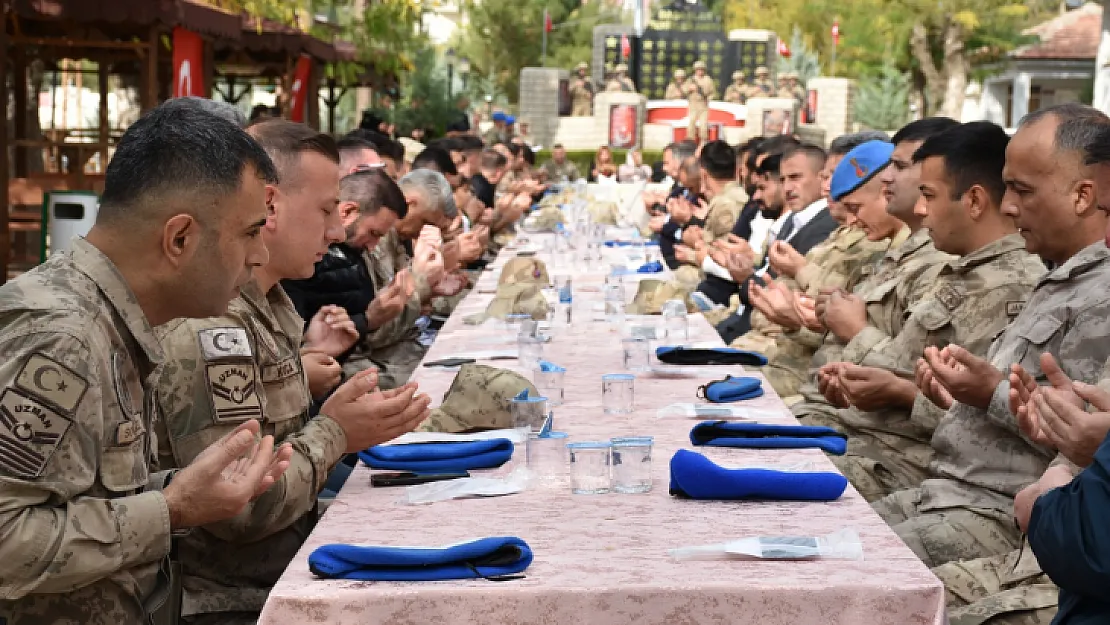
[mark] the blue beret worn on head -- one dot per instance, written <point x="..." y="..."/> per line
<point x="509" y="119"/>
<point x="858" y="167"/>
<point x="498" y="117"/>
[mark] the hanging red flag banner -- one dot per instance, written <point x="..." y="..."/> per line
<point x="784" y="50"/>
<point x="299" y="91"/>
<point x="547" y="25"/>
<point x="188" y="64"/>
<point x="626" y="47"/>
<point x="836" y="32"/>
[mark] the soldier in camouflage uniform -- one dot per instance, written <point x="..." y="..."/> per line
<point x="88" y="521"/>
<point x="737" y="92"/>
<point x="877" y="309"/>
<point x="700" y="90"/>
<point x="764" y="88"/>
<point x="970" y="303"/>
<point x="582" y="92"/>
<point x="394" y="349"/>
<point x="247" y="364"/>
<point x="676" y="88"/>
<point x="559" y="169"/>
<point x="620" y="81"/>
<point x="982" y="460"/>
<point x="784" y="90"/>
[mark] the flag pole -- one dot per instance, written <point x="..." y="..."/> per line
<point x="543" y="53"/>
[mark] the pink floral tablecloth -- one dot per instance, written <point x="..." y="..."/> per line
<point x="603" y="559"/>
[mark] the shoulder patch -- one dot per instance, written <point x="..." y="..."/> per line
<point x="950" y="296"/>
<point x="233" y="391"/>
<point x="1014" y="308"/>
<point x="30" y="433"/>
<point x="51" y="382"/>
<point x="221" y="343"/>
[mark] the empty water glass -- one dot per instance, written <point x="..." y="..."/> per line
<point x="617" y="393"/>
<point x="614" y="302"/>
<point x="550" y="385"/>
<point x="513" y="321"/>
<point x="675" y="321"/>
<point x="589" y="468"/>
<point x="529" y="351"/>
<point x="637" y="354"/>
<point x="631" y="464"/>
<point x="529" y="413"/>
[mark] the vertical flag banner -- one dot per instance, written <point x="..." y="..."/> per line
<point x="626" y="47"/>
<point x="299" y="91"/>
<point x="188" y="64"/>
<point x="784" y="50"/>
<point x="836" y="32"/>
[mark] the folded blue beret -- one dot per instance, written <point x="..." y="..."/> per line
<point x="439" y="457"/>
<point x="696" y="477"/>
<point x="485" y="557"/>
<point x="764" y="436"/>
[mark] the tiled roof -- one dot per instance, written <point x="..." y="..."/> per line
<point x="1073" y="35"/>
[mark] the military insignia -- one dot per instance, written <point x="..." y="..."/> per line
<point x="30" y="433"/>
<point x="222" y="343"/>
<point x="280" y="371"/>
<point x="128" y="432"/>
<point x="1013" y="309"/>
<point x="861" y="169"/>
<point x="233" y="389"/>
<point x="51" y="382"/>
<point x="950" y="297"/>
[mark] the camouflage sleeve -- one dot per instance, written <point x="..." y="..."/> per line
<point x="807" y="276"/>
<point x="202" y="398"/>
<point x="925" y="413"/>
<point x="872" y="346"/>
<point x="572" y="172"/>
<point x="54" y="410"/>
<point x="720" y="220"/>
<point x="395" y="330"/>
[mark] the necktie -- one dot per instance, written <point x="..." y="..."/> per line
<point x="787" y="229"/>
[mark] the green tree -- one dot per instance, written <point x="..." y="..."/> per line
<point x="803" y="61"/>
<point x="426" y="102"/>
<point x="503" y="37"/>
<point x="571" y="42"/>
<point x="882" y="100"/>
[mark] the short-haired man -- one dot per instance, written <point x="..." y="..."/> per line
<point x="247" y="364"/>
<point x="429" y="202"/>
<point x="87" y="520"/>
<point x="982" y="459"/>
<point x="882" y="199"/>
<point x="778" y="330"/>
<point x="559" y="169"/>
<point x="970" y="301"/>
<point x="370" y="204"/>
<point x="491" y="169"/>
<point x="805" y="222"/>
<point x="356" y="154"/>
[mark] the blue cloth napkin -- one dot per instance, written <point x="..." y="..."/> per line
<point x="732" y="389"/>
<point x="763" y="436"/>
<point x="439" y="457"/>
<point x="618" y="243"/>
<point x="549" y="367"/>
<point x="696" y="477"/>
<point x="679" y="355"/>
<point x="652" y="267"/>
<point x="485" y="557"/>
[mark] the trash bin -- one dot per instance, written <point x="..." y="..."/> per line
<point x="67" y="214"/>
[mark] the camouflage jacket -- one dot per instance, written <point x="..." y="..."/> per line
<point x="724" y="210"/>
<point x="220" y="372"/>
<point x="556" y="172"/>
<point x="901" y="278"/>
<point x="84" y="524"/>
<point x="834" y="263"/>
<point x="971" y="302"/>
<point x="982" y="459"/>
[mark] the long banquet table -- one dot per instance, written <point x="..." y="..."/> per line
<point x="603" y="559"/>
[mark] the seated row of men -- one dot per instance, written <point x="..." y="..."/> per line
<point x="268" y="281"/>
<point x="941" y="299"/>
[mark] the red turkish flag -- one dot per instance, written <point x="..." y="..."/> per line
<point x="836" y="32"/>
<point x="547" y="26"/>
<point x="188" y="64"/>
<point x="299" y="91"/>
<point x="784" y="51"/>
<point x="626" y="47"/>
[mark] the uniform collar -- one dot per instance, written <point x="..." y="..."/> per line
<point x="273" y="308"/>
<point x="987" y="253"/>
<point x="1089" y="257"/>
<point x="909" y="245"/>
<point x="89" y="260"/>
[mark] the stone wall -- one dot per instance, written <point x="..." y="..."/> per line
<point x="834" y="104"/>
<point x="539" y="102"/>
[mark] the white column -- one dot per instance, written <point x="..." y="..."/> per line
<point x="1023" y="88"/>
<point x="1102" y="59"/>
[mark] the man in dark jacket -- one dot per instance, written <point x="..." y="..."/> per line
<point x="370" y="203"/>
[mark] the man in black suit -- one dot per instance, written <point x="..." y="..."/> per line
<point x="805" y="223"/>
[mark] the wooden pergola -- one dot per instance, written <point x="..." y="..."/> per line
<point x="123" y="38"/>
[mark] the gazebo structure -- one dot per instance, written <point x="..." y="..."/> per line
<point x="132" y="41"/>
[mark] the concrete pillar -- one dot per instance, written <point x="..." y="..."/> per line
<point x="539" y="102"/>
<point x="992" y="102"/>
<point x="1102" y="60"/>
<point x="1023" y="88"/>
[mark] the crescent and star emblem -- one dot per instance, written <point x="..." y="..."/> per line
<point x="23" y="432"/>
<point x="221" y="342"/>
<point x="56" y="381"/>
